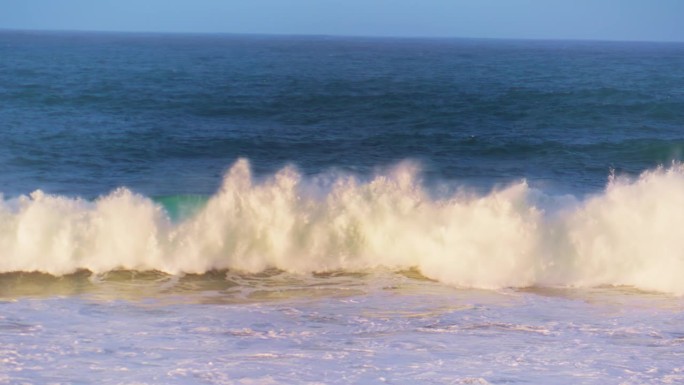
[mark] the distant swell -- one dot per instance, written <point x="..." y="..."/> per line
<point x="631" y="234"/>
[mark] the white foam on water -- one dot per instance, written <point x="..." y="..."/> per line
<point x="517" y="236"/>
<point x="390" y="335"/>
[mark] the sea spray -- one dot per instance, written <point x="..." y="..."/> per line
<point x="516" y="236"/>
<point x="631" y="234"/>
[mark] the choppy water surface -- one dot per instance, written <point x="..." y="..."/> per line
<point x="377" y="328"/>
<point x="256" y="210"/>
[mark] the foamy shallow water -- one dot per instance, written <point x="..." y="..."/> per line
<point x="376" y="328"/>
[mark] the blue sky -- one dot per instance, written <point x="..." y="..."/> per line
<point x="658" y="20"/>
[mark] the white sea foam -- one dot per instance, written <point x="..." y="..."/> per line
<point x="517" y="236"/>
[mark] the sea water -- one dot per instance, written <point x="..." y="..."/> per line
<point x="223" y="209"/>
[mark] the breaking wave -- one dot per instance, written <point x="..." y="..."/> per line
<point x="630" y="234"/>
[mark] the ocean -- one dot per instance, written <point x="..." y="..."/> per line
<point x="229" y="209"/>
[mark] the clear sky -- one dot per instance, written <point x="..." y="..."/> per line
<point x="658" y="20"/>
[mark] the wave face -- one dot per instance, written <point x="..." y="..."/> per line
<point x="630" y="234"/>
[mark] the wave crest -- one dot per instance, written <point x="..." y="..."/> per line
<point x="512" y="237"/>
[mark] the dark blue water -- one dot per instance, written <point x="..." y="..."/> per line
<point x="84" y="113"/>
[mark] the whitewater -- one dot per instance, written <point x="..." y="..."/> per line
<point x="225" y="209"/>
<point x="513" y="236"/>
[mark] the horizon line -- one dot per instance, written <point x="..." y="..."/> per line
<point x="325" y="35"/>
